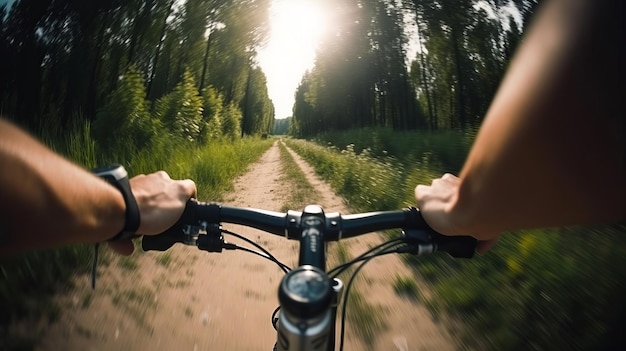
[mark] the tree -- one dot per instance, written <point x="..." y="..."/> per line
<point x="257" y="108"/>
<point x="212" y="115"/>
<point x="63" y="59"/>
<point x="360" y="77"/>
<point x="463" y="52"/>
<point x="181" y="110"/>
<point x="282" y="126"/>
<point x="125" y="118"/>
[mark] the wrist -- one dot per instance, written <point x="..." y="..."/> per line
<point x="112" y="217"/>
<point x="117" y="176"/>
<point x="461" y="210"/>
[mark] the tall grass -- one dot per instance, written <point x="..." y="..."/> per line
<point x="367" y="183"/>
<point x="442" y="150"/>
<point x="301" y="192"/>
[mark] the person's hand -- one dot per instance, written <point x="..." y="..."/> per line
<point x="161" y="201"/>
<point x="437" y="205"/>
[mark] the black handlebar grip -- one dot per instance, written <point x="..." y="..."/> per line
<point x="174" y="234"/>
<point x="455" y="246"/>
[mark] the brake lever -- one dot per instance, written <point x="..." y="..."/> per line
<point x="213" y="240"/>
<point x="424" y="241"/>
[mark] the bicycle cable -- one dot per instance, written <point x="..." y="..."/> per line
<point x="385" y="248"/>
<point x="264" y="253"/>
<point x="333" y="273"/>
<point x="274" y="319"/>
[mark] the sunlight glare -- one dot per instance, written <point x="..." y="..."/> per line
<point x="297" y="26"/>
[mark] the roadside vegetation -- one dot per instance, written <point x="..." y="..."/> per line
<point x="29" y="281"/>
<point x="542" y="289"/>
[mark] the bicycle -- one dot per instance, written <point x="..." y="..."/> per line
<point x="308" y="295"/>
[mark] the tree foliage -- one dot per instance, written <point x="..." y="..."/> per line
<point x="62" y="59"/>
<point x="463" y="51"/>
<point x="181" y="110"/>
<point x="362" y="76"/>
<point x="126" y="117"/>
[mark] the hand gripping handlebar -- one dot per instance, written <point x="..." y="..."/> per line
<point x="289" y="224"/>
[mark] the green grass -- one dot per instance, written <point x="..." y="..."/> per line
<point x="368" y="183"/>
<point x="406" y="286"/>
<point x="445" y="150"/>
<point x="137" y="303"/>
<point x="164" y="259"/>
<point x="128" y="263"/>
<point x="365" y="320"/>
<point x="301" y="192"/>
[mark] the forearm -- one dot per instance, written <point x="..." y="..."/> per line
<point x="549" y="153"/>
<point x="47" y="201"/>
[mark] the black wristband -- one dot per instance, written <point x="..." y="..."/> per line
<point x="117" y="176"/>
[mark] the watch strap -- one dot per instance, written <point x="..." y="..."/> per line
<point x="132" y="209"/>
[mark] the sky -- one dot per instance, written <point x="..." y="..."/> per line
<point x="296" y="27"/>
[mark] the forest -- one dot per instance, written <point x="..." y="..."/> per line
<point x="463" y="50"/>
<point x="136" y="63"/>
<point x="145" y="83"/>
<point x="144" y="68"/>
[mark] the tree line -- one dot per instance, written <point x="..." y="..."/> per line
<point x="361" y="77"/>
<point x="141" y="67"/>
<point x="136" y="67"/>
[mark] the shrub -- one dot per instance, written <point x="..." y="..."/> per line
<point x="181" y="110"/>
<point x="125" y="119"/>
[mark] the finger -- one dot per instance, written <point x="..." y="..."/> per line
<point x="123" y="247"/>
<point x="163" y="175"/>
<point x="189" y="187"/>
<point x="420" y="190"/>
<point x="448" y="177"/>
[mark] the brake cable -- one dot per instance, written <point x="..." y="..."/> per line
<point x="388" y="247"/>
<point x="264" y="253"/>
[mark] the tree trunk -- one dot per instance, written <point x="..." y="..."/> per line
<point x="425" y="86"/>
<point x="205" y="63"/>
<point x="157" y="52"/>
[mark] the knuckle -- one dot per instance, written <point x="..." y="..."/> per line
<point x="162" y="174"/>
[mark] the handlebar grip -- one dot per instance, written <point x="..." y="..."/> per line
<point x="455" y="246"/>
<point x="174" y="234"/>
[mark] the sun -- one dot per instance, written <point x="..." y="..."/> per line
<point x="298" y="21"/>
<point x="296" y="29"/>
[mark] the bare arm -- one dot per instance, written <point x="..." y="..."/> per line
<point x="551" y="149"/>
<point x="48" y="201"/>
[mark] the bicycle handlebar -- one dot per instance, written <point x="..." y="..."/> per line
<point x="308" y="296"/>
<point x="336" y="227"/>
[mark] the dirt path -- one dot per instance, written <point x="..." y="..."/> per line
<point x="189" y="300"/>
